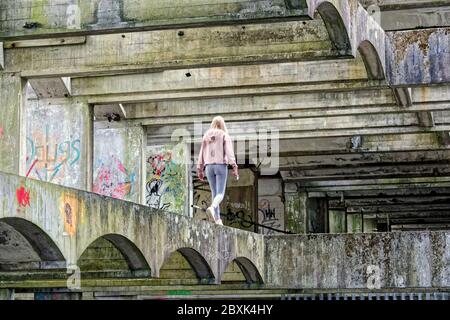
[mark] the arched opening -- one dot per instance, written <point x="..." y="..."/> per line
<point x="241" y="270"/>
<point x="187" y="264"/>
<point x="113" y="255"/>
<point x="336" y="28"/>
<point x="372" y="60"/>
<point x="25" y="246"/>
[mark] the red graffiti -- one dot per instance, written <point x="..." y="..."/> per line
<point x="1" y="132"/>
<point x="23" y="197"/>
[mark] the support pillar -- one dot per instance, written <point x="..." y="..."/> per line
<point x="337" y="221"/>
<point x="10" y="122"/>
<point x="296" y="212"/>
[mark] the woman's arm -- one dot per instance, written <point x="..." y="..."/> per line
<point x="229" y="152"/>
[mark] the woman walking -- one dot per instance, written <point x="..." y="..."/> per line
<point x="216" y="153"/>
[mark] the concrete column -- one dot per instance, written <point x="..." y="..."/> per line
<point x="296" y="212"/>
<point x="62" y="127"/>
<point x="10" y="124"/>
<point x="6" y="294"/>
<point x="337" y="221"/>
<point x="354" y="223"/>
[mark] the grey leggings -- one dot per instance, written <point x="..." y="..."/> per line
<point x="217" y="177"/>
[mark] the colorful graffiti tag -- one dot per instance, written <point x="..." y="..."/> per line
<point x="112" y="179"/>
<point x="166" y="179"/>
<point x="23" y="197"/>
<point x="48" y="159"/>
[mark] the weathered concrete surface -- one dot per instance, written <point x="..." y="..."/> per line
<point x="409" y="14"/>
<point x="351" y="28"/>
<point x="62" y="17"/>
<point x="131" y="51"/>
<point x="418" y="57"/>
<point x="11" y="98"/>
<point x="58" y="134"/>
<point x="404" y="260"/>
<point x="60" y="223"/>
<point x="118" y="162"/>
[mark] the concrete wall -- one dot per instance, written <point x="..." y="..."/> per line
<point x="61" y="223"/>
<point x="270" y="205"/>
<point x="401" y="260"/>
<point x="118" y="162"/>
<point x="57" y="141"/>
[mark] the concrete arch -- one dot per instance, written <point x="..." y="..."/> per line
<point x="43" y="245"/>
<point x="249" y="270"/>
<point x="131" y="253"/>
<point x="372" y="61"/>
<point x="198" y="263"/>
<point x="337" y="30"/>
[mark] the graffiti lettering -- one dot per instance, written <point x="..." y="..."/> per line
<point x="52" y="157"/>
<point x="268" y="217"/>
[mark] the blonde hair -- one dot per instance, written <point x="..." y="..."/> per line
<point x="219" y="123"/>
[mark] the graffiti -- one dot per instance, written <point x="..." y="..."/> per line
<point x="23" y="197"/>
<point x="1" y="132"/>
<point x="70" y="212"/>
<point x="268" y="217"/>
<point x="240" y="218"/>
<point x="166" y="180"/>
<point x="113" y="179"/>
<point x="47" y="159"/>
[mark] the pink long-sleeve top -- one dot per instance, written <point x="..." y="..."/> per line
<point x="216" y="147"/>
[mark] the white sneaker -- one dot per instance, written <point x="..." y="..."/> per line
<point x="210" y="214"/>
<point x="219" y="222"/>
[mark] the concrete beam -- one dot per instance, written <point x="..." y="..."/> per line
<point x="172" y="49"/>
<point x="369" y="184"/>
<point x="351" y="86"/>
<point x="367" y="172"/>
<point x="51" y="87"/>
<point x="354" y="159"/>
<point x="25" y="19"/>
<point x="261" y="75"/>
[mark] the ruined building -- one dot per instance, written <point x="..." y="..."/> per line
<point x="340" y="113"/>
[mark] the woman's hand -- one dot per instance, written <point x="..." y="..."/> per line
<point x="235" y="172"/>
<point x="201" y="175"/>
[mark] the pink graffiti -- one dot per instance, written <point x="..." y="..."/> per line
<point x="23" y="197"/>
<point x="113" y="179"/>
<point x="1" y="132"/>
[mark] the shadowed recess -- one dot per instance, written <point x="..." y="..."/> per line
<point x="371" y="60"/>
<point x="335" y="27"/>
<point x="32" y="241"/>
<point x="187" y="263"/>
<point x="248" y="269"/>
<point x="114" y="252"/>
